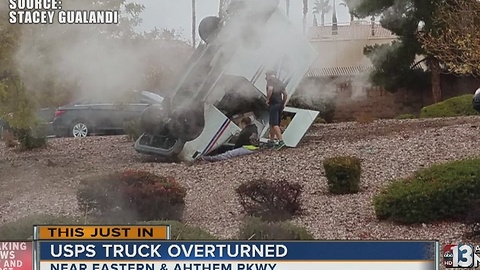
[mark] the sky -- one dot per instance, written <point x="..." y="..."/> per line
<point x="176" y="14"/>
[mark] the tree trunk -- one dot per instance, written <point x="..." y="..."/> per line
<point x="436" y="83"/>
<point x="305" y="11"/>
<point x="194" y="24"/>
<point x="220" y="8"/>
<point x="322" y="18"/>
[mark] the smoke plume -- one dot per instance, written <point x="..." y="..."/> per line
<point x="93" y="60"/>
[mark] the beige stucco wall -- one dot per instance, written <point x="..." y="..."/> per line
<point x="344" y="52"/>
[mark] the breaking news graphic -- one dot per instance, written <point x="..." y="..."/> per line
<point x="16" y="255"/>
<point x="138" y="248"/>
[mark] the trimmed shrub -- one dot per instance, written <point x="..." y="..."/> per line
<point x="319" y="120"/>
<point x="406" y="116"/>
<point x="256" y="229"/>
<point x="270" y="200"/>
<point x="326" y="107"/>
<point x="9" y="139"/>
<point x="32" y="138"/>
<point x="440" y="192"/>
<point x="343" y="174"/>
<point x="133" y="129"/>
<point x="472" y="220"/>
<point x="181" y="231"/>
<point x="22" y="228"/>
<point x="456" y="106"/>
<point x="132" y="196"/>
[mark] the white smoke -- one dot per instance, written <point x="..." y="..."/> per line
<point x="94" y="60"/>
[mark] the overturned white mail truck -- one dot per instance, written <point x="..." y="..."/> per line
<point x="225" y="78"/>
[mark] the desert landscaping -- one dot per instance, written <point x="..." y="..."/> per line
<point x="45" y="180"/>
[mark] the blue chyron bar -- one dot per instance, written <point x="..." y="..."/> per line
<point x="237" y="255"/>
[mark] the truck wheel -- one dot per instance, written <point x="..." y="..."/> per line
<point x="208" y="28"/>
<point x="187" y="125"/>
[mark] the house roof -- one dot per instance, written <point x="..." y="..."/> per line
<point x="356" y="30"/>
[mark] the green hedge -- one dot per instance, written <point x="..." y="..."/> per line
<point x="456" y="106"/>
<point x="343" y="174"/>
<point x="440" y="192"/>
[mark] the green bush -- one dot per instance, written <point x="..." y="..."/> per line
<point x="326" y="108"/>
<point x="131" y="196"/>
<point x="180" y="231"/>
<point x="440" y="192"/>
<point x="406" y="116"/>
<point x="270" y="200"/>
<point x="319" y="120"/>
<point x="32" y="138"/>
<point x="472" y="221"/>
<point x="456" y="106"/>
<point x="22" y="228"/>
<point x="256" y="229"/>
<point x="343" y="174"/>
<point x="133" y="129"/>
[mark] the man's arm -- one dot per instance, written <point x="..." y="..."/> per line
<point x="284" y="97"/>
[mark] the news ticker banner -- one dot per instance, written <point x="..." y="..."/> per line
<point x="149" y="248"/>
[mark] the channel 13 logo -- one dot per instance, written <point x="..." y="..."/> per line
<point x="461" y="256"/>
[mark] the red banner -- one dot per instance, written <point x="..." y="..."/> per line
<point x="16" y="255"/>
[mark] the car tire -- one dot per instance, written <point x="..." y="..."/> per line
<point x="79" y="129"/>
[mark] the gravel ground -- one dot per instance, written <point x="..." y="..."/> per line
<point x="45" y="180"/>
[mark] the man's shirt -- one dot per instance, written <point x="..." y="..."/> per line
<point x="278" y="87"/>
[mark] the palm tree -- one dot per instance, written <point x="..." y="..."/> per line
<point x="194" y="24"/>
<point x="287" y="7"/>
<point x="322" y="7"/>
<point x="305" y="12"/>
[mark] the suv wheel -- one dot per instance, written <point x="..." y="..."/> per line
<point x="79" y="130"/>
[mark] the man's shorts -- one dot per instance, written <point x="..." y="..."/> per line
<point x="275" y="114"/>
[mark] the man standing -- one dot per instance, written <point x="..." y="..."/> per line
<point x="276" y="100"/>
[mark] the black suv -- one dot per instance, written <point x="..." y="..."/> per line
<point x="100" y="115"/>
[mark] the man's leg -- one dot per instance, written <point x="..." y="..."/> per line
<point x="278" y="130"/>
<point x="272" y="120"/>
<point x="275" y="119"/>
<point x="229" y="154"/>
<point x="278" y="133"/>
<point x="271" y="133"/>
